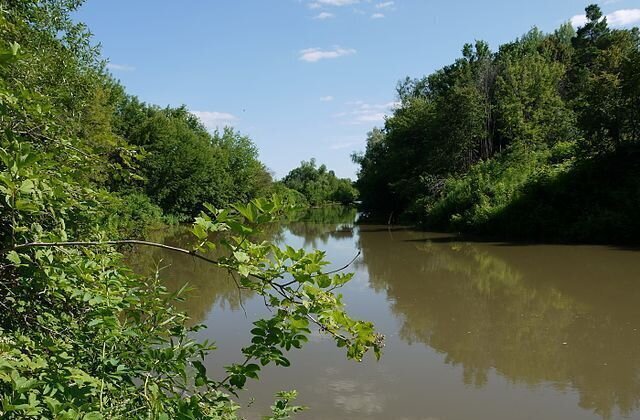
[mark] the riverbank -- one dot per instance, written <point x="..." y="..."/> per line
<point x="591" y="201"/>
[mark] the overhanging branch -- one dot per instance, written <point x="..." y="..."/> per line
<point x="120" y="242"/>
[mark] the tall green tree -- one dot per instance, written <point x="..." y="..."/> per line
<point x="602" y="82"/>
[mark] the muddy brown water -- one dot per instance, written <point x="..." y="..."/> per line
<point x="473" y="330"/>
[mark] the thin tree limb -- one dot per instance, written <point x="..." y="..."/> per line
<point x="344" y="267"/>
<point x="119" y="242"/>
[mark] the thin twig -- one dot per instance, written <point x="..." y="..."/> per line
<point x="36" y="136"/>
<point x="344" y="267"/>
<point x="233" y="276"/>
<point x="120" y="242"/>
<point x="337" y="270"/>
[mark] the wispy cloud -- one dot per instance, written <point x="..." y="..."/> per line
<point x="377" y="16"/>
<point x="365" y="113"/>
<point x="214" y="119"/>
<point x="311" y="55"/>
<point x="618" y="18"/>
<point x="337" y="3"/>
<point x="120" y="67"/>
<point x="385" y="5"/>
<point x="323" y="15"/>
<point x="327" y="98"/>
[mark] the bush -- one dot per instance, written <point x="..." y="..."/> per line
<point x="131" y="215"/>
<point x="471" y="200"/>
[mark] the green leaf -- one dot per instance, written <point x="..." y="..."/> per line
<point x="199" y="231"/>
<point x="324" y="281"/>
<point x="14" y="257"/>
<point x="241" y="257"/>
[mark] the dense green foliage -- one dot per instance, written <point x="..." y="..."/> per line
<point x="509" y="143"/>
<point x="319" y="185"/>
<point x="81" y="336"/>
<point x="183" y="165"/>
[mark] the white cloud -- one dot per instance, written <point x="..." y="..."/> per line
<point x="377" y="16"/>
<point x="214" y="119"/>
<point x="578" y="20"/>
<point x="327" y="98"/>
<point x="385" y="5"/>
<point x="311" y="55"/>
<point x="314" y="5"/>
<point x="623" y="17"/>
<point x="323" y="15"/>
<point x="120" y="67"/>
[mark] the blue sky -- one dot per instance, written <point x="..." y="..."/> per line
<point x="304" y="78"/>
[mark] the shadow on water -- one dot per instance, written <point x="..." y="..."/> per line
<point x="448" y="237"/>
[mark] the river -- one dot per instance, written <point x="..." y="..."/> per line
<point x="474" y="330"/>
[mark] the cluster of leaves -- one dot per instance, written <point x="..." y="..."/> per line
<point x="319" y="185"/>
<point x="81" y="336"/>
<point x="487" y="190"/>
<point x="472" y="138"/>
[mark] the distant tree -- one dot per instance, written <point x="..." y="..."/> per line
<point x="319" y="185"/>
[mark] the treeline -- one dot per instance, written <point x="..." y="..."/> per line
<point x="316" y="185"/>
<point x="539" y="140"/>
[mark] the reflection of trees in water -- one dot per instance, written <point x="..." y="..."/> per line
<point x="324" y="215"/>
<point x="316" y="226"/>
<point x="516" y="314"/>
<point x="210" y="285"/>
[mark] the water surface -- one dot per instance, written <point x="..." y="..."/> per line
<point x="473" y="330"/>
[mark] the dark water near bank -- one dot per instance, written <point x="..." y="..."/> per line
<point x="474" y="330"/>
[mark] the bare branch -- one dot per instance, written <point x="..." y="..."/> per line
<point x="120" y="242"/>
<point x="344" y="267"/>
